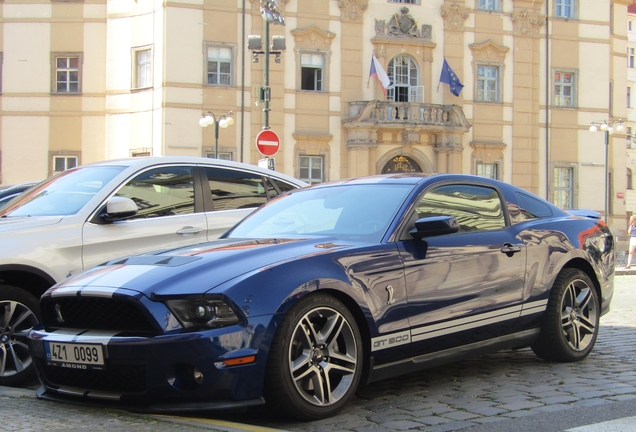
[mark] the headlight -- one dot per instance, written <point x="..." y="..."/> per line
<point x="197" y="314"/>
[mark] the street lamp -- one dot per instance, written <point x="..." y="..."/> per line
<point x="223" y="122"/>
<point x="271" y="14"/>
<point x="607" y="126"/>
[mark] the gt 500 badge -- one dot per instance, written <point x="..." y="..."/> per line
<point x="383" y="342"/>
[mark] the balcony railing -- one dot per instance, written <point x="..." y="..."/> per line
<point x="388" y="113"/>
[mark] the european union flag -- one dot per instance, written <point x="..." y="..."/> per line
<point x="449" y="77"/>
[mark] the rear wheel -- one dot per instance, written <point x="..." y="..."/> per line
<point x="570" y="325"/>
<point x="315" y="360"/>
<point x="19" y="312"/>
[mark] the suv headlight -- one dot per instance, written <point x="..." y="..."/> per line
<point x="195" y="314"/>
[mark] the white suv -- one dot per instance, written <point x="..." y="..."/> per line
<point x="98" y="212"/>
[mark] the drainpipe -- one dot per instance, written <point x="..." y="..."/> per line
<point x="547" y="100"/>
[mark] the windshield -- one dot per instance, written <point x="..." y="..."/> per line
<point x="347" y="212"/>
<point x="64" y="194"/>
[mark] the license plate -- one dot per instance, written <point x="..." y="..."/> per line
<point x="73" y="355"/>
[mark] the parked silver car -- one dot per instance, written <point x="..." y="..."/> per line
<point x="97" y="212"/>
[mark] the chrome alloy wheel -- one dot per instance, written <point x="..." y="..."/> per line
<point x="323" y="356"/>
<point x="579" y="315"/>
<point x="15" y="322"/>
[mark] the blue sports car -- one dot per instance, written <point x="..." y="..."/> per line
<point x="325" y="289"/>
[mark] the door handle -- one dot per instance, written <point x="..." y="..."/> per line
<point x="510" y="249"/>
<point x="189" y="230"/>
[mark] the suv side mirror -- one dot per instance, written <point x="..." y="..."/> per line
<point x="434" y="226"/>
<point x="118" y="208"/>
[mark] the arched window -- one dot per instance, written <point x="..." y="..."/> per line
<point x="629" y="179"/>
<point x="404" y="77"/>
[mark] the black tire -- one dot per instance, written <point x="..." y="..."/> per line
<point x="570" y="326"/>
<point x="19" y="312"/>
<point x="315" y="360"/>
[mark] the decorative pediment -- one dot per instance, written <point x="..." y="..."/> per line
<point x="527" y="24"/>
<point x="402" y="25"/>
<point x="488" y="51"/>
<point x="454" y="17"/>
<point x="352" y="9"/>
<point x="313" y="37"/>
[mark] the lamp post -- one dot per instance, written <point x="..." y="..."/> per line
<point x="270" y="14"/>
<point x="606" y="126"/>
<point x="223" y="122"/>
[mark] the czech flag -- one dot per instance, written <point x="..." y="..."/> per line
<point x="378" y="72"/>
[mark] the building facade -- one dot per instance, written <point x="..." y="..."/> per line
<point x="90" y="80"/>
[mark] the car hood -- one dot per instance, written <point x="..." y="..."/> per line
<point x="193" y="270"/>
<point x="8" y="224"/>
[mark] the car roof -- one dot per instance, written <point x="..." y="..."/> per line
<point x="410" y="179"/>
<point x="148" y="161"/>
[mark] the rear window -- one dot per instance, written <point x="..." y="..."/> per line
<point x="529" y="208"/>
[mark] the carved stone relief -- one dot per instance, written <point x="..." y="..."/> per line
<point x="352" y="9"/>
<point x="402" y="25"/>
<point x="454" y="17"/>
<point x="526" y="24"/>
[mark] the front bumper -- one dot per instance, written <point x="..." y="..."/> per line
<point x="168" y="373"/>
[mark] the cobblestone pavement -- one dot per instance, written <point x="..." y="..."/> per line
<point x="490" y="388"/>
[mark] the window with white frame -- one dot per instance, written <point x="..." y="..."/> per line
<point x="404" y="79"/>
<point x="487" y="83"/>
<point x="564" y="87"/>
<point x="564" y="8"/>
<point x="219" y="61"/>
<point x="488" y="170"/>
<point x="143" y="68"/>
<point x="63" y="163"/>
<point x="311" y="169"/>
<point x="630" y="58"/>
<point x="312" y="67"/>
<point x="67" y="73"/>
<point x="563" y="187"/>
<point x="492" y="5"/>
<point x="629" y="97"/>
<point x="629" y="179"/>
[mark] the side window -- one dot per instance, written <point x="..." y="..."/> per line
<point x="235" y="189"/>
<point x="160" y="192"/>
<point x="477" y="208"/>
<point x="532" y="208"/>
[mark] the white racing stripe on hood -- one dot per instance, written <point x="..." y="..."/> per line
<point x="110" y="276"/>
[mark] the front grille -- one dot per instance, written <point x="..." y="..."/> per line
<point x="96" y="313"/>
<point x="115" y="378"/>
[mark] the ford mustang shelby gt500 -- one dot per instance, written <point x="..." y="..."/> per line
<point x="325" y="289"/>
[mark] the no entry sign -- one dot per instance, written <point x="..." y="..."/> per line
<point x="267" y="142"/>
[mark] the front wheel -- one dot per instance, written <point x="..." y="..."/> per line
<point x="19" y="312"/>
<point x="570" y="325"/>
<point x="315" y="360"/>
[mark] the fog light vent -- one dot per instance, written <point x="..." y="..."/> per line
<point x="185" y="377"/>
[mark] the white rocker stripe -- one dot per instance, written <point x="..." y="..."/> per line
<point x="457" y="325"/>
<point x="464" y="321"/>
<point x="534" y="307"/>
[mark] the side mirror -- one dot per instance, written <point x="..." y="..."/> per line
<point x="434" y="226"/>
<point x="118" y="208"/>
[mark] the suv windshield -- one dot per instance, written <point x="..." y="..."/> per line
<point x="64" y="194"/>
